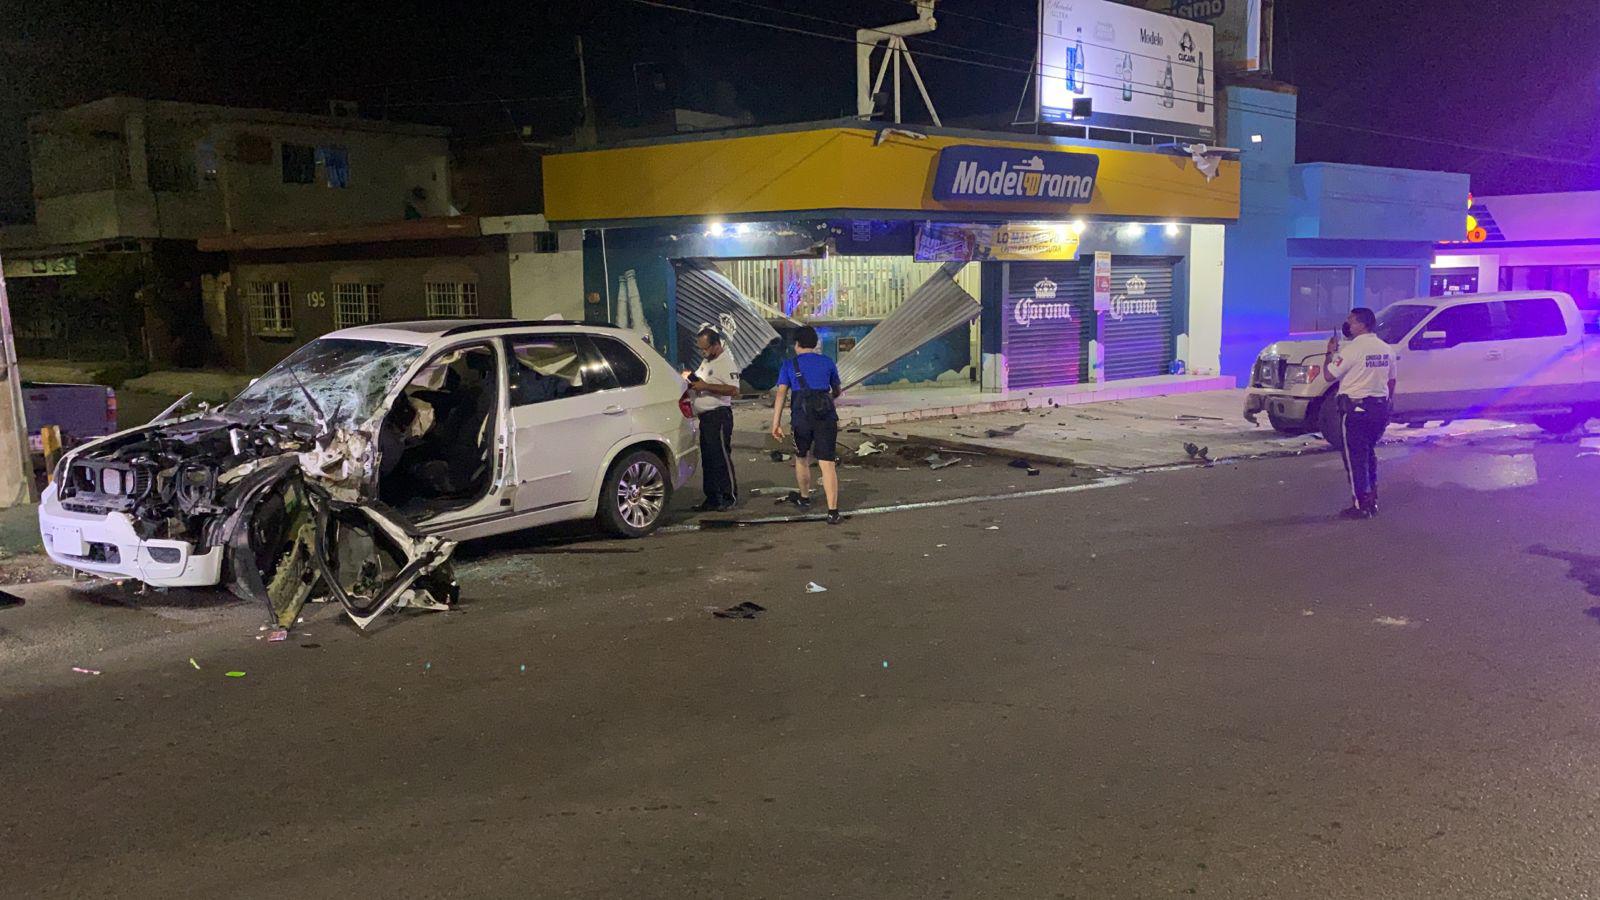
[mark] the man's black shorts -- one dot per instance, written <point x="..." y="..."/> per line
<point x="820" y="439"/>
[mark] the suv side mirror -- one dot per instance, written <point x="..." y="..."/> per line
<point x="1430" y="340"/>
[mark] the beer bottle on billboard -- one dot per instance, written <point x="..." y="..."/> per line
<point x="1077" y="64"/>
<point x="1200" y="85"/>
<point x="1125" y="72"/>
<point x="1166" y="85"/>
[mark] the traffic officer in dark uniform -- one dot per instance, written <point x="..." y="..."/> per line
<point x="1364" y="366"/>
<point x="714" y="385"/>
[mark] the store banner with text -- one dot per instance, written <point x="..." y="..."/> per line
<point x="1012" y="241"/>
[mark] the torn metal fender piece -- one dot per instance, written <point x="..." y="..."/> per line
<point x="424" y="579"/>
<point x="342" y="460"/>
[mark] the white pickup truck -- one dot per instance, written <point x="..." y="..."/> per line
<point x="1518" y="356"/>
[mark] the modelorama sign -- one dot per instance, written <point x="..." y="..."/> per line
<point x="968" y="173"/>
<point x="1141" y="70"/>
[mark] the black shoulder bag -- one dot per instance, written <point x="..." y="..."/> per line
<point x="817" y="405"/>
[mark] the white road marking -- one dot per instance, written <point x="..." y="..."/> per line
<point x="1117" y="481"/>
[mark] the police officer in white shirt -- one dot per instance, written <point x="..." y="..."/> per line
<point x="714" y="385"/>
<point x="1365" y="369"/>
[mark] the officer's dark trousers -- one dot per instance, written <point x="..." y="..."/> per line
<point x="716" y="454"/>
<point x="1363" y="423"/>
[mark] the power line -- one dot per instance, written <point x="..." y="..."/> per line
<point x="1260" y="110"/>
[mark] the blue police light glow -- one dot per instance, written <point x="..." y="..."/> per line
<point x="972" y="173"/>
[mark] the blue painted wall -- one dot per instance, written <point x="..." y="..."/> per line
<point x="1315" y="214"/>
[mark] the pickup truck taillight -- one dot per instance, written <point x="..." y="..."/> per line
<point x="686" y="406"/>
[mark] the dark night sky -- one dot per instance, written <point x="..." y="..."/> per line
<point x="1521" y="78"/>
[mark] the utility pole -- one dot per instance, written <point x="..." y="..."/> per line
<point x="16" y="460"/>
<point x="588" y="135"/>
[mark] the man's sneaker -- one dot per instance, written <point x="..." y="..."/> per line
<point x="709" y="505"/>
<point x="834" y="518"/>
<point x="794" y="499"/>
<point x="1354" y="512"/>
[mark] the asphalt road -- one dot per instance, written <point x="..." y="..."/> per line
<point x="1194" y="683"/>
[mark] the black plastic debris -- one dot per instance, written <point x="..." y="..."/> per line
<point x="1020" y="463"/>
<point x="745" y="610"/>
<point x="1007" y="431"/>
<point x="1197" y="452"/>
<point x="9" y="599"/>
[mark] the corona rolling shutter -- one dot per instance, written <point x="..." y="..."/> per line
<point x="1044" y="340"/>
<point x="1138" y="331"/>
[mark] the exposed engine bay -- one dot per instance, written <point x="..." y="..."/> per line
<point x="291" y="504"/>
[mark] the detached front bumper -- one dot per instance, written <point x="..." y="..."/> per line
<point x="1285" y="407"/>
<point x="106" y="545"/>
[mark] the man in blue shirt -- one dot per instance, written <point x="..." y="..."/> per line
<point x="811" y="382"/>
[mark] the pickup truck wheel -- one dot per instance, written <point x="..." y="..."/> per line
<point x="635" y="494"/>
<point x="1329" y="421"/>
<point x="1285" y="426"/>
<point x="1562" y="423"/>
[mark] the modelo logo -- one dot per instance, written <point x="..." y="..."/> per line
<point x="1016" y="176"/>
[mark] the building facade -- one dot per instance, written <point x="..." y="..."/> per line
<point x="123" y="189"/>
<point x="1525" y="242"/>
<point x="1314" y="240"/>
<point x="843" y="225"/>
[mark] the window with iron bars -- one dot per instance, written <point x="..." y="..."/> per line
<point x="355" y="303"/>
<point x="451" y="299"/>
<point x="836" y="287"/>
<point x="271" y="309"/>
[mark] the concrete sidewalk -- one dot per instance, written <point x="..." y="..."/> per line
<point x="885" y="406"/>
<point x="1134" y="434"/>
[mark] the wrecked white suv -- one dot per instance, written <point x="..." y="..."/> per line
<point x="352" y="466"/>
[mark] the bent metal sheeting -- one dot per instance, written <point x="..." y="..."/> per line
<point x="937" y="307"/>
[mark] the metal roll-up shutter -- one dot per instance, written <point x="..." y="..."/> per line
<point x="706" y="297"/>
<point x="1045" y="323"/>
<point x="1138" y="330"/>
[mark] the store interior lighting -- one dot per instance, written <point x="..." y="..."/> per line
<point x="1172" y="229"/>
<point x="1255" y="138"/>
<point x="1133" y="230"/>
<point x="1078" y="226"/>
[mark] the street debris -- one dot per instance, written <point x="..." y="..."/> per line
<point x="1307" y="612"/>
<point x="745" y="610"/>
<point x="992" y="528"/>
<point x="193" y="663"/>
<point x="1006" y="431"/>
<point x="234" y="674"/>
<point x="1197" y="452"/>
<point x="780" y="456"/>
<point x="277" y="635"/>
<point x="813" y="588"/>
<point x="868" y="448"/>
<point x="1023" y="464"/>
<point x="1392" y="621"/>
<point x="9" y="599"/>
<point x="1189" y="417"/>
<point x="937" y="462"/>
<point x="82" y="671"/>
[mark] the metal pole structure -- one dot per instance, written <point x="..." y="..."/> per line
<point x="893" y="49"/>
<point x="16" y="462"/>
<point x="893" y="39"/>
<point x="922" y="89"/>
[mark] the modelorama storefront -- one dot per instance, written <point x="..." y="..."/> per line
<point x="1071" y="260"/>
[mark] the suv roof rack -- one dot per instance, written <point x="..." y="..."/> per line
<point x="521" y="323"/>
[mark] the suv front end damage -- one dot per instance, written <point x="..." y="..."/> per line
<point x="255" y="498"/>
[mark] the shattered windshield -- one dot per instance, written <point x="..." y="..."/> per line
<point x="347" y="378"/>
<point x="1397" y="321"/>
